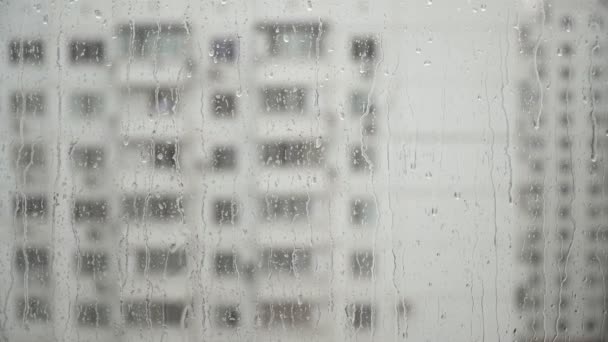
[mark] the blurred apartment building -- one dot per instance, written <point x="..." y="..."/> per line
<point x="563" y="120"/>
<point x="174" y="171"/>
<point x="221" y="171"/>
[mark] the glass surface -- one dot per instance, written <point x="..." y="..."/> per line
<point x="304" y="170"/>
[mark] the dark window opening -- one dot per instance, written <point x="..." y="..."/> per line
<point x="92" y="263"/>
<point x="224" y="50"/>
<point x="225" y="264"/>
<point x="360" y="316"/>
<point x="158" y="207"/>
<point x="144" y="313"/>
<point x="85" y="211"/>
<point x="87" y="52"/>
<point x="88" y="157"/>
<point x="224" y="158"/>
<point x="93" y="314"/>
<point x="363" y="49"/>
<point x="30" y="207"/>
<point x="286" y="208"/>
<point x="291" y="100"/>
<point x="165" y="155"/>
<point x="30" y="103"/>
<point x="362" y="264"/>
<point x="27" y="51"/>
<point x="36" y="309"/>
<point x="228" y="316"/>
<point x="163" y="261"/>
<point x="284" y="314"/>
<point x="287" y="260"/>
<point x="226" y="212"/>
<point x="290" y="154"/>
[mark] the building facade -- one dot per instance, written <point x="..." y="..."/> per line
<point x="562" y="162"/>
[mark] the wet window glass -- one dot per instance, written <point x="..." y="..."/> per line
<point x="304" y="170"/>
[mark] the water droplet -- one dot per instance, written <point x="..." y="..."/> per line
<point x="428" y="175"/>
<point x="286" y="38"/>
<point x="457" y="196"/>
<point x="318" y="142"/>
<point x="434" y="211"/>
<point x="239" y="93"/>
<point x="211" y="53"/>
<point x="97" y="14"/>
<point x="271" y="74"/>
<point x="37" y="7"/>
<point x="309" y="5"/>
<point x="45" y="19"/>
<point x="223" y="2"/>
<point x="418" y="50"/>
<point x="427" y="63"/>
<point x="483" y="7"/>
<point x="429" y="2"/>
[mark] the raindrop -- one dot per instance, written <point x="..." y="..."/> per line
<point x="457" y="195"/>
<point x="286" y="38"/>
<point x="427" y="63"/>
<point x="45" y="19"/>
<point x="318" y="142"/>
<point x="418" y="50"/>
<point x="483" y="7"/>
<point x="97" y="14"/>
<point x="309" y="5"/>
<point x="429" y="2"/>
<point x="37" y="7"/>
<point x="428" y="175"/>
